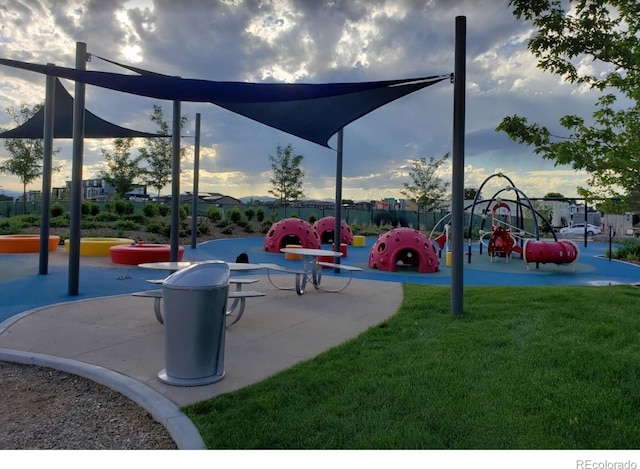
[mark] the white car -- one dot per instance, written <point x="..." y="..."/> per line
<point x="578" y="229"/>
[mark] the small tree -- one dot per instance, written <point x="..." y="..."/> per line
<point x="427" y="189"/>
<point x="158" y="152"/>
<point x="287" y="175"/>
<point x="122" y="169"/>
<point x="27" y="154"/>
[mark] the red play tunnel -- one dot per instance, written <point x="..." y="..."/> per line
<point x="563" y="251"/>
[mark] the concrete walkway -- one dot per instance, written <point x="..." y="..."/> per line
<point x="117" y="341"/>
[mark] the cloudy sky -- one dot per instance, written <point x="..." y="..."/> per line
<point x="302" y="41"/>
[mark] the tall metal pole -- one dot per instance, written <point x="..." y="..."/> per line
<point x="76" y="173"/>
<point x="457" y="184"/>
<point x="194" y="202"/>
<point x="337" y="231"/>
<point x="175" y="184"/>
<point x="585" y="223"/>
<point x="47" y="157"/>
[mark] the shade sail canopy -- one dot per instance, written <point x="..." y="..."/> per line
<point x="313" y="112"/>
<point x="95" y="127"/>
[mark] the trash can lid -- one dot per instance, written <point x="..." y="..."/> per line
<point x="201" y="275"/>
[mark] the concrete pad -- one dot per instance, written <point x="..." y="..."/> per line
<point x="121" y="334"/>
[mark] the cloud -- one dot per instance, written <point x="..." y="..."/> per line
<point x="309" y="42"/>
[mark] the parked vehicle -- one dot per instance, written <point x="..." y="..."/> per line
<point x="578" y="229"/>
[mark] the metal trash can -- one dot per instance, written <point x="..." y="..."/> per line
<point x="195" y="304"/>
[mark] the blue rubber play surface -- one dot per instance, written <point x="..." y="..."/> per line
<point x="22" y="288"/>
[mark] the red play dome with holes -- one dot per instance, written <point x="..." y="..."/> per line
<point x="404" y="246"/>
<point x="291" y="231"/>
<point x="326" y="226"/>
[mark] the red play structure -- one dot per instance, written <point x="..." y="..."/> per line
<point x="563" y="251"/>
<point x="325" y="227"/>
<point x="507" y="237"/>
<point x="291" y="231"/>
<point x="501" y="242"/>
<point x="407" y="246"/>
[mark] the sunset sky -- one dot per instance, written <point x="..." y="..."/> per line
<point x="303" y="41"/>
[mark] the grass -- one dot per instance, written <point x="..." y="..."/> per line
<point x="524" y="368"/>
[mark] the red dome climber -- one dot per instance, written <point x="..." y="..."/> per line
<point x="326" y="226"/>
<point x="406" y="245"/>
<point x="291" y="231"/>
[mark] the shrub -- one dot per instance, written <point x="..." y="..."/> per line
<point x="184" y="212"/>
<point x="248" y="228"/>
<point x="214" y="214"/>
<point x="160" y="227"/>
<point x="10" y="226"/>
<point x="249" y="214"/>
<point x="204" y="227"/>
<point x="56" y="210"/>
<point x="126" y="225"/>
<point x="266" y="226"/>
<point x="89" y="224"/>
<point x="313" y="218"/>
<point x="242" y="223"/>
<point x="136" y="218"/>
<point x="29" y="219"/>
<point x="123" y="207"/>
<point x="85" y="208"/>
<point x="234" y="215"/>
<point x="163" y="210"/>
<point x="107" y="216"/>
<point x="260" y="215"/>
<point x="628" y="250"/>
<point x="228" y="230"/>
<point x="150" y="210"/>
<point x="61" y="221"/>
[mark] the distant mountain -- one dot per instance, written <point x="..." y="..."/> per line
<point x="10" y="193"/>
<point x="249" y="198"/>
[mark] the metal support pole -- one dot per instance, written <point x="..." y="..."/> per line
<point x="47" y="157"/>
<point x="585" y="223"/>
<point x="457" y="185"/>
<point x="337" y="234"/>
<point x="175" y="184"/>
<point x="76" y="173"/>
<point x="194" y="202"/>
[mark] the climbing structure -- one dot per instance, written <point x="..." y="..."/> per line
<point x="407" y="246"/>
<point x="501" y="242"/>
<point x="325" y="227"/>
<point x="507" y="238"/>
<point x="291" y="231"/>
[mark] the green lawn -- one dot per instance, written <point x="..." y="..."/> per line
<point x="524" y="368"/>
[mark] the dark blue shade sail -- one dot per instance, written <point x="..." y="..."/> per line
<point x="314" y="112"/>
<point x="95" y="127"/>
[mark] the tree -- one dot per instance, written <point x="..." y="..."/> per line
<point x="27" y="154"/>
<point x="607" y="33"/>
<point x="158" y="152"/>
<point x="470" y="193"/>
<point x="553" y="195"/>
<point x="122" y="169"/>
<point x="426" y="189"/>
<point x="287" y="175"/>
